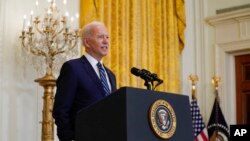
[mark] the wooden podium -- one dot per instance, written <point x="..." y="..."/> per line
<point x="132" y="114"/>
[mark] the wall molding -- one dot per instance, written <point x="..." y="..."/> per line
<point x="237" y="42"/>
<point x="232" y="8"/>
<point x="228" y="17"/>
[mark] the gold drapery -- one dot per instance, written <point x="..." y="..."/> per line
<point x="147" y="34"/>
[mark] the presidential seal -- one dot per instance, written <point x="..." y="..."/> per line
<point x="162" y="119"/>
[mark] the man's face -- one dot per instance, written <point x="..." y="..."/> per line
<point x="98" y="42"/>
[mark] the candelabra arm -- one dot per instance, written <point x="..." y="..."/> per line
<point x="23" y="45"/>
<point x="62" y="48"/>
<point x="38" y="30"/>
<point x="38" y="52"/>
<point x="59" y="31"/>
<point x="59" y="52"/>
<point x="74" y="44"/>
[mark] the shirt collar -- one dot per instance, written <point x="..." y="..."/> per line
<point x="91" y="59"/>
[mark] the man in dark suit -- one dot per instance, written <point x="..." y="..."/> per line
<point x="79" y="83"/>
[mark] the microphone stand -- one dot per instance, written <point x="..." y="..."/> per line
<point x="156" y="85"/>
<point x="148" y="77"/>
<point x="147" y="84"/>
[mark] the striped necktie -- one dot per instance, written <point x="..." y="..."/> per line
<point x="103" y="79"/>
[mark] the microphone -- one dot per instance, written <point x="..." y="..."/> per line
<point x="155" y="78"/>
<point x="146" y="75"/>
<point x="135" y="71"/>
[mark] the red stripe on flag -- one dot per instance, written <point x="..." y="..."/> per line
<point x="203" y="135"/>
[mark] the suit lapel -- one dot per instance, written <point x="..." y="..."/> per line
<point x="91" y="72"/>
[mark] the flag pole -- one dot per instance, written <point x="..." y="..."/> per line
<point x="215" y="81"/>
<point x="217" y="126"/>
<point x="193" y="78"/>
<point x="200" y="130"/>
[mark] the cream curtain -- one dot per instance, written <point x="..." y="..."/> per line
<point x="147" y="34"/>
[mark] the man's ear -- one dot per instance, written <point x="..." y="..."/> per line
<point x="85" y="42"/>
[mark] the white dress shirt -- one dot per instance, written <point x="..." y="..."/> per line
<point x="93" y="63"/>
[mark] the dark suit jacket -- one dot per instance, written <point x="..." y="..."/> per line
<point x="78" y="86"/>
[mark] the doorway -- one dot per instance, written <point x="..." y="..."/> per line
<point x="242" y="63"/>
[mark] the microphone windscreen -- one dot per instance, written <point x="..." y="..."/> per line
<point x="135" y="71"/>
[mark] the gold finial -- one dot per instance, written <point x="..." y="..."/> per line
<point x="193" y="78"/>
<point x="215" y="81"/>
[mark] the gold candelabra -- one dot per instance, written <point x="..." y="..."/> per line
<point x="48" y="38"/>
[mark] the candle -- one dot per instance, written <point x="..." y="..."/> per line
<point x="64" y="5"/>
<point x="67" y="14"/>
<point x="28" y="23"/>
<point x="24" y="21"/>
<point x="49" y="12"/>
<point x="31" y="17"/>
<point x="72" y="19"/>
<point x="77" y="16"/>
<point x="37" y="3"/>
<point x="36" y="7"/>
<point x="54" y="4"/>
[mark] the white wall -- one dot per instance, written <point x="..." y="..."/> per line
<point x="198" y="56"/>
<point x="20" y="96"/>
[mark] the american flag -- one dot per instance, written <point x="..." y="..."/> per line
<point x="200" y="130"/>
